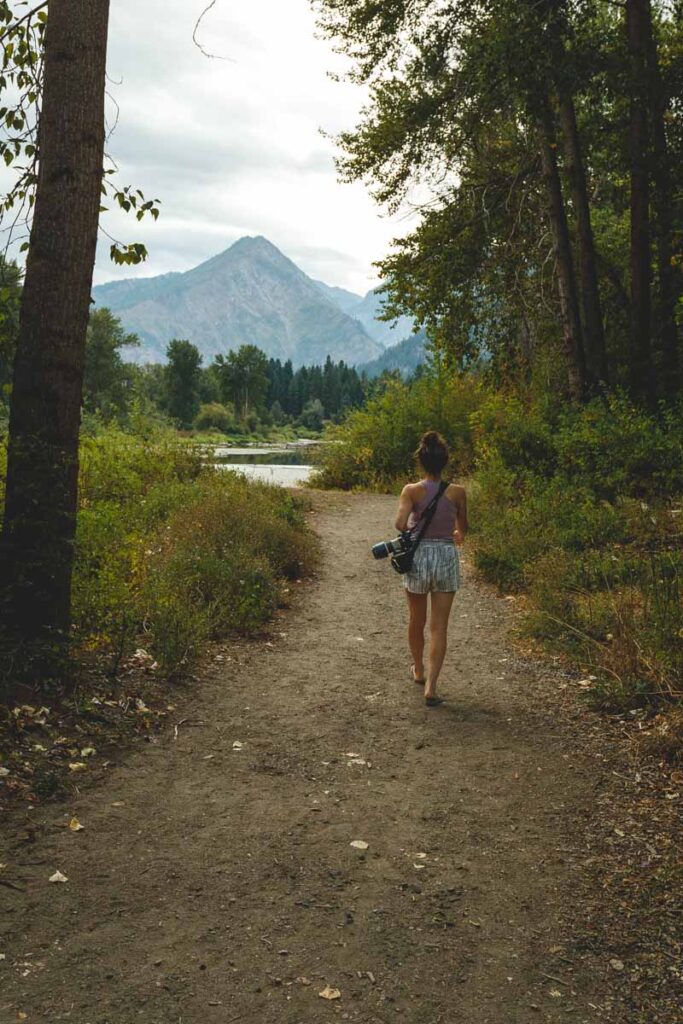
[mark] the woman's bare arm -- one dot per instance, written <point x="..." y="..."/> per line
<point x="461" y="524"/>
<point x="405" y="507"/>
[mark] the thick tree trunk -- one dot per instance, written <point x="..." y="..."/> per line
<point x="642" y="377"/>
<point x="663" y="208"/>
<point x="566" y="278"/>
<point x="593" y="332"/>
<point x="36" y="546"/>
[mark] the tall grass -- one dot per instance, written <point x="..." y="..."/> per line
<point x="170" y="552"/>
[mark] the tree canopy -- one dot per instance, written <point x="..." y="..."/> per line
<point x="181" y="377"/>
<point x="541" y="145"/>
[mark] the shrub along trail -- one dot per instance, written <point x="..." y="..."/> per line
<point x="215" y="879"/>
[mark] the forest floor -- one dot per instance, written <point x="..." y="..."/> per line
<point x="215" y="881"/>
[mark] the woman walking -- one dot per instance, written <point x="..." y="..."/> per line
<point x="436" y="569"/>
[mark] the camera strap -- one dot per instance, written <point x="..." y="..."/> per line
<point x="403" y="562"/>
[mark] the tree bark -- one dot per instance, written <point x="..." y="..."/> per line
<point x="593" y="332"/>
<point x="642" y="376"/>
<point x="663" y="209"/>
<point x="566" y="278"/>
<point x="37" y="541"/>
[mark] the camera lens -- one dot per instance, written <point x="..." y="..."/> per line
<point x="380" y="550"/>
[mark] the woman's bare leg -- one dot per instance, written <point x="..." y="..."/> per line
<point x="438" y="636"/>
<point x="417" y="607"/>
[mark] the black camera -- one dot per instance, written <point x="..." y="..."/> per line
<point x="393" y="547"/>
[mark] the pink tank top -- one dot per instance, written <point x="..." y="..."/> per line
<point x="443" y="523"/>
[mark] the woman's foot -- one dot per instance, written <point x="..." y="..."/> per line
<point x="418" y="678"/>
<point x="433" y="702"/>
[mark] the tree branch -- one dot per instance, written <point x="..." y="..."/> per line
<point x="26" y="17"/>
<point x="200" y="19"/>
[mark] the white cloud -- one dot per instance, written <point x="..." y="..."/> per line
<point x="233" y="146"/>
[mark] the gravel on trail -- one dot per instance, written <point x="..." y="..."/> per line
<point x="311" y="843"/>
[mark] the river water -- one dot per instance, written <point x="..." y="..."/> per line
<point x="287" y="466"/>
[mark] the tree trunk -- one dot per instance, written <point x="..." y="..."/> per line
<point x="642" y="377"/>
<point x="663" y="208"/>
<point x="566" y="278"/>
<point x="593" y="332"/>
<point x="37" y="541"/>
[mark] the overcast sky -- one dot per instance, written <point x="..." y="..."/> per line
<point x="233" y="147"/>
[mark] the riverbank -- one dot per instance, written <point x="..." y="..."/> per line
<point x="214" y="879"/>
<point x="285" y="465"/>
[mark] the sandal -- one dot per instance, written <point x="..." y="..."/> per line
<point x="420" y="682"/>
<point x="433" y="702"/>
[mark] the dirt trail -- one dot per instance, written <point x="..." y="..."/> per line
<point x="209" y="880"/>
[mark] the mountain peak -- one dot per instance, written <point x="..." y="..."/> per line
<point x="253" y="244"/>
<point x="249" y="294"/>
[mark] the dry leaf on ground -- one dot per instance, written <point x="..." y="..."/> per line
<point x="330" y="993"/>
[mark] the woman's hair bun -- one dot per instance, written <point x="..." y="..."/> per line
<point x="432" y="440"/>
<point x="433" y="452"/>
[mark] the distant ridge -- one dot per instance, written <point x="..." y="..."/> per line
<point x="367" y="309"/>
<point x="406" y="356"/>
<point x="249" y="294"/>
<point x="387" y="332"/>
<point x="346" y="300"/>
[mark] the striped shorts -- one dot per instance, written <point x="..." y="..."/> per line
<point x="436" y="568"/>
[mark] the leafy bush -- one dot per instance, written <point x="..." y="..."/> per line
<point x="373" y="447"/>
<point x="312" y="415"/>
<point x="251" y="423"/>
<point x="519" y="434"/>
<point x="615" y="448"/>
<point x="118" y="466"/>
<point x="173" y="552"/>
<point x="558" y="509"/>
<point x="214" y="416"/>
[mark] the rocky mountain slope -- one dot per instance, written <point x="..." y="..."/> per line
<point x="385" y="332"/>
<point x="366" y="309"/>
<point x="249" y="294"/>
<point x="346" y="300"/>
